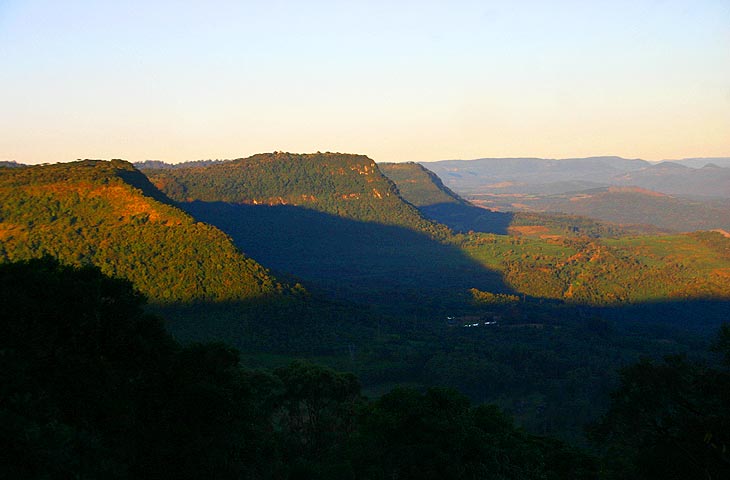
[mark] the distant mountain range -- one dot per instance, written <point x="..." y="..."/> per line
<point x="708" y="177"/>
<point x="702" y="161"/>
<point x="622" y="205"/>
<point x="489" y="213"/>
<point x="11" y="164"/>
<point x="682" y="195"/>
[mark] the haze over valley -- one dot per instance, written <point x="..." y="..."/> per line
<point x="678" y="195"/>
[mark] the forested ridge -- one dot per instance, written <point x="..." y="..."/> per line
<point x="349" y="186"/>
<point x="108" y="214"/>
<point x="535" y="313"/>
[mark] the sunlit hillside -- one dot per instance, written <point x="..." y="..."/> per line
<point x="108" y="214"/>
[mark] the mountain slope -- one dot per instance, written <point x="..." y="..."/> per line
<point x="420" y="186"/>
<point x="109" y="215"/>
<point x="608" y="271"/>
<point x="577" y="259"/>
<point x="332" y="220"/>
<point x="349" y="186"/>
<point x="424" y="189"/>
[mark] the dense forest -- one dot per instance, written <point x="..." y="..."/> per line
<point x="530" y="313"/>
<point x="420" y="186"/>
<point x="94" y="387"/>
<point x="354" y="245"/>
<point x="108" y="214"/>
<point x="349" y="186"/>
<point x="601" y="271"/>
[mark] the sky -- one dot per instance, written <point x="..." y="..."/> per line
<point x="395" y="80"/>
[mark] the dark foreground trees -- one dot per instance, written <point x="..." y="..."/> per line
<point x="92" y="387"/>
<point x="670" y="420"/>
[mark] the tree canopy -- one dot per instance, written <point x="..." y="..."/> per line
<point x="92" y="387"/>
<point x="109" y="215"/>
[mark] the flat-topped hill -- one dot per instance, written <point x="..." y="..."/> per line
<point x="344" y="185"/>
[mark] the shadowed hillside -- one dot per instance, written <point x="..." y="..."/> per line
<point x="353" y="255"/>
<point x="411" y="309"/>
<point x="349" y="186"/>
<point x="332" y="220"/>
<point x="360" y="261"/>
<point x="437" y="202"/>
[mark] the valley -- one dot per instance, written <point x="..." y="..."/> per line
<point x="376" y="270"/>
<point x="465" y="240"/>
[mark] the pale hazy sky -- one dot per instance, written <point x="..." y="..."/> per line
<point x="396" y="80"/>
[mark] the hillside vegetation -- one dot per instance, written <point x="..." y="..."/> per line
<point x="333" y="220"/>
<point x="420" y="186"/>
<point x="424" y="189"/>
<point x="349" y="186"/>
<point x="604" y="271"/>
<point x="575" y="258"/>
<point x="92" y="387"/>
<point x="108" y="214"/>
<point x="552" y="306"/>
